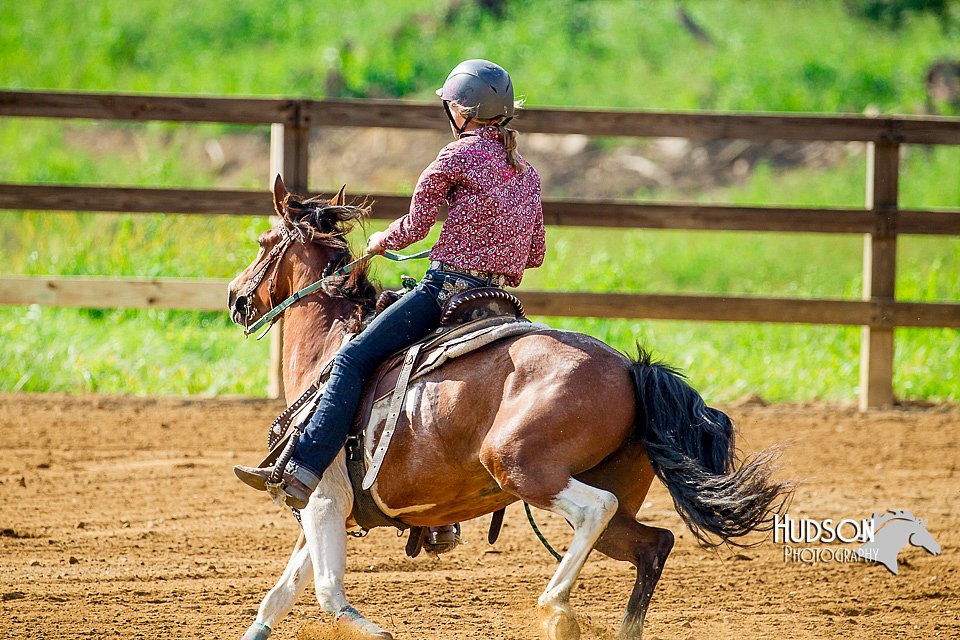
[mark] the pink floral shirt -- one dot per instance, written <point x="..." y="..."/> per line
<point x="494" y="217"/>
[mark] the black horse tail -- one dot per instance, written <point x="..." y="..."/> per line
<point x="691" y="448"/>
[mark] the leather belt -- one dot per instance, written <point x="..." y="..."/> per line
<point x="496" y="279"/>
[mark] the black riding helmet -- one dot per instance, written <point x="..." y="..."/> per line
<point x="480" y="85"/>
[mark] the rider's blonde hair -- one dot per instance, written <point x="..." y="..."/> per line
<point x="509" y="136"/>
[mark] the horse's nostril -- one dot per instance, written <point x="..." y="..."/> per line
<point x="240" y="304"/>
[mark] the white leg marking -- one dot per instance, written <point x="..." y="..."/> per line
<point x="280" y="599"/>
<point x="324" y="524"/>
<point x="589" y="510"/>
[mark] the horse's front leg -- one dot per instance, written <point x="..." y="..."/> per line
<point x="280" y="599"/>
<point x="324" y="521"/>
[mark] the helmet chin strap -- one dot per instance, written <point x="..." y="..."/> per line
<point x="457" y="131"/>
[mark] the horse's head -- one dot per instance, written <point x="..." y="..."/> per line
<point x="307" y="244"/>
<point x="898" y="528"/>
<point x="922" y="538"/>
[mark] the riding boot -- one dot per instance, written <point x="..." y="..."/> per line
<point x="442" y="539"/>
<point x="296" y="483"/>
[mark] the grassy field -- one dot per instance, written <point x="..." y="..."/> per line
<point x="791" y="56"/>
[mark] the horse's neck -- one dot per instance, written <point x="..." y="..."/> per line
<point x="898" y="530"/>
<point x="313" y="331"/>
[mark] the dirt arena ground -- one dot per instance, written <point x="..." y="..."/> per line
<point x="120" y="517"/>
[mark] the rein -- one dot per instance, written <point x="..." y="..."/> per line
<point x="540" y="536"/>
<point x="276" y="255"/>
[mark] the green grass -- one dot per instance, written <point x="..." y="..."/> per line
<point x="776" y="56"/>
<point x="789" y="56"/>
<point x="188" y="352"/>
<point x="138" y="352"/>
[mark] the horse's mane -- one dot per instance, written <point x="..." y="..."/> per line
<point x="317" y="221"/>
<point x="880" y="519"/>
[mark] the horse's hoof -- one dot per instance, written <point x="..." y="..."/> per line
<point x="257" y="631"/>
<point x="359" y="625"/>
<point x="631" y="631"/>
<point x="558" y="622"/>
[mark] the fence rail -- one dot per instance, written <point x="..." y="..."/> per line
<point x="405" y="115"/>
<point x="881" y="221"/>
<point x="201" y="294"/>
<point x="555" y="212"/>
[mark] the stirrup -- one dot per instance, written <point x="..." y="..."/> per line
<point x="294" y="489"/>
<point x="442" y="539"/>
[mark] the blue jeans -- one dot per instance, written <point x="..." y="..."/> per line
<point x="407" y="320"/>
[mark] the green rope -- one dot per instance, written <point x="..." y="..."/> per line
<point x="316" y="286"/>
<point x="536" y="530"/>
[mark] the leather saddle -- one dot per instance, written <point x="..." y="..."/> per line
<point x="463" y="318"/>
<point x="466" y="306"/>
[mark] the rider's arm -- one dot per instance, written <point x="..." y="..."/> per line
<point x="538" y="245"/>
<point x="430" y="194"/>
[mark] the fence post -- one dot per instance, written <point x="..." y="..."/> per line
<point x="879" y="275"/>
<point x="289" y="156"/>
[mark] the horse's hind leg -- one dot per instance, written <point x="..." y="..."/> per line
<point x="586" y="508"/>
<point x="647" y="549"/>
<point x="628" y="474"/>
<point x="280" y="599"/>
<point x="589" y="510"/>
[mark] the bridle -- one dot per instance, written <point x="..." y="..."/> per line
<point x="275" y="259"/>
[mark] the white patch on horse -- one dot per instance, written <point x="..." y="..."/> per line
<point x="588" y="510"/>
<point x="412" y="402"/>
<point x="420" y="400"/>
<point x="380" y="410"/>
<point x="393" y="513"/>
<point x="335" y="482"/>
<point x="426" y="406"/>
<point x="378" y="415"/>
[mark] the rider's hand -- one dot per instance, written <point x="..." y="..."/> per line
<point x="373" y="243"/>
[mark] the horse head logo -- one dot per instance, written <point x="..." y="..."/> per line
<point x="898" y="528"/>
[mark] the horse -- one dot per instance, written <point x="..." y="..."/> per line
<point x="555" y="418"/>
<point x="899" y="528"/>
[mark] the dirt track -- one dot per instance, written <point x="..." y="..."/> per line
<point x="120" y="518"/>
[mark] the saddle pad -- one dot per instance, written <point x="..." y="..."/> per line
<point x="438" y="350"/>
<point x="471" y="342"/>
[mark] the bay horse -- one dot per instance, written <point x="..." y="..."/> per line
<point x="554" y="418"/>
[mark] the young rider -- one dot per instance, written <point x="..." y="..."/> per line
<point x="493" y="231"/>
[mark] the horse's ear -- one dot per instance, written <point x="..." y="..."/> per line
<point x="340" y="199"/>
<point x="280" y="197"/>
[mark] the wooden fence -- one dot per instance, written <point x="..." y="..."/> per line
<point x="881" y="221"/>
